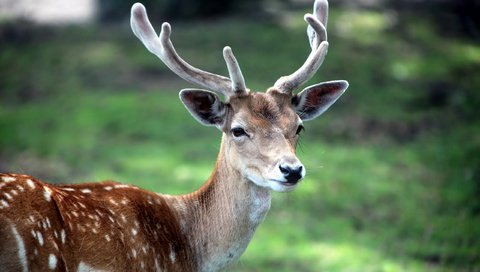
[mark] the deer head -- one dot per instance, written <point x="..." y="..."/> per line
<point x="260" y="130"/>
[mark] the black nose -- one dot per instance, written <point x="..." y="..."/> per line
<point x="292" y="174"/>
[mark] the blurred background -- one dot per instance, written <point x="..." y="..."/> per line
<point x="393" y="179"/>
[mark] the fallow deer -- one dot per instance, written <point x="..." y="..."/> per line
<point x="110" y="226"/>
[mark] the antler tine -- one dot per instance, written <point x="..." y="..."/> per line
<point x="163" y="48"/>
<point x="238" y="82"/>
<point x="317" y="35"/>
<point x="320" y="10"/>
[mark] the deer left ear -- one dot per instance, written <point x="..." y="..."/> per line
<point x="316" y="99"/>
<point x="204" y="106"/>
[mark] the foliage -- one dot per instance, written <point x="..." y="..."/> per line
<point x="393" y="167"/>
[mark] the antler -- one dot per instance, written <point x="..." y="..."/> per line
<point x="317" y="34"/>
<point x="163" y="48"/>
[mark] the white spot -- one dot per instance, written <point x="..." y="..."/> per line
<point x="47" y="194"/>
<point x="52" y="261"/>
<point x="34" y="234"/>
<point x="86" y="191"/>
<point x="75" y="213"/>
<point x="35" y="252"/>
<point x="124" y="201"/>
<point x="30" y="183"/>
<point x="107" y="237"/>
<point x="4" y="203"/>
<point x="83" y="267"/>
<point x="14" y="192"/>
<point x="8" y="179"/>
<point x="113" y="201"/>
<point x="8" y="195"/>
<point x="108" y="188"/>
<point x="142" y="265"/>
<point x="173" y="256"/>
<point x="134" y="253"/>
<point x="68" y="189"/>
<point x="134" y="231"/>
<point x="32" y="219"/>
<point x="48" y="222"/>
<point x="121" y="186"/>
<point x="40" y="238"/>
<point x="124" y="219"/>
<point x="62" y="234"/>
<point x="20" y="188"/>
<point x="55" y="233"/>
<point x="82" y="205"/>
<point x="94" y="230"/>
<point x="22" y="256"/>
<point x="111" y="219"/>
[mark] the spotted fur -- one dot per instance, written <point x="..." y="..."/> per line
<point x="108" y="226"/>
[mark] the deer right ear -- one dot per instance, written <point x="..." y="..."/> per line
<point x="205" y="106"/>
<point x="316" y="99"/>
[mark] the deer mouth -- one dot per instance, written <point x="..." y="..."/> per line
<point x="288" y="184"/>
<point x="291" y="183"/>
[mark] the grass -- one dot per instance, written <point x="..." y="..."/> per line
<point x="393" y="168"/>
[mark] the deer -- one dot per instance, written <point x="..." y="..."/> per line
<point x="111" y="226"/>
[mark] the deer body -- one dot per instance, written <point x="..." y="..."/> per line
<point x="110" y="226"/>
<point x="116" y="227"/>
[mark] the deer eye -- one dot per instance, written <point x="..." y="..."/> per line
<point x="238" y="132"/>
<point x="299" y="129"/>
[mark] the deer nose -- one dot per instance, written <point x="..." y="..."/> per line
<point x="292" y="173"/>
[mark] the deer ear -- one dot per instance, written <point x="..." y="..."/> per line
<point x="204" y="106"/>
<point x="316" y="99"/>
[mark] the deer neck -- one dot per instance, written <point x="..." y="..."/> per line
<point x="223" y="214"/>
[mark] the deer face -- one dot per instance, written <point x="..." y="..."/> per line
<point x="261" y="135"/>
<point x="261" y="130"/>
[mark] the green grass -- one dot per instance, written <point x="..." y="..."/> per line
<point x="393" y="169"/>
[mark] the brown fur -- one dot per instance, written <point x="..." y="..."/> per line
<point x="141" y="227"/>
